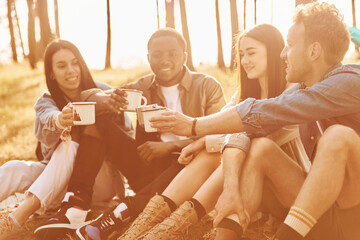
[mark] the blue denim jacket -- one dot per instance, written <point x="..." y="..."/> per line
<point x="335" y="99"/>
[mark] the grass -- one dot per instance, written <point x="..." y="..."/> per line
<point x="20" y="88"/>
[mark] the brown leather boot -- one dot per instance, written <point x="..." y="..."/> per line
<point x="175" y="226"/>
<point x="154" y="212"/>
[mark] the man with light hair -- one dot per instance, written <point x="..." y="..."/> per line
<point x="325" y="202"/>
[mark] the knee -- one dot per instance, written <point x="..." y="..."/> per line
<point x="14" y="166"/>
<point x="14" y="169"/>
<point x="260" y="150"/>
<point x="338" y="138"/>
<point x="261" y="147"/>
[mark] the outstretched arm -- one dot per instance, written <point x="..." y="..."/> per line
<point x="227" y="121"/>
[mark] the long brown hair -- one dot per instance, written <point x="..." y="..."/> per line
<point x="86" y="79"/>
<point x="274" y="42"/>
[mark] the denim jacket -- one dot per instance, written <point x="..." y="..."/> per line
<point x="335" y="99"/>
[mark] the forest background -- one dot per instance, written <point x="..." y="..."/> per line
<point x="116" y="51"/>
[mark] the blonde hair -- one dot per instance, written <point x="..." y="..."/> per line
<point x="324" y="24"/>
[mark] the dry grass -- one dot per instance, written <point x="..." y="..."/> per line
<point x="19" y="89"/>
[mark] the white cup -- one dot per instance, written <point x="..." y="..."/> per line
<point x="134" y="98"/>
<point x="150" y="113"/>
<point x="84" y="113"/>
<point x="139" y="113"/>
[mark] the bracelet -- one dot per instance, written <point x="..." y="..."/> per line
<point x="57" y="122"/>
<point x="193" y="133"/>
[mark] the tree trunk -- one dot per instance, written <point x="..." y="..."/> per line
<point x="234" y="31"/>
<point x="185" y="31"/>
<point x="255" y="12"/>
<point x="11" y="29"/>
<point x="19" y="31"/>
<point x="220" y="57"/>
<point x="45" y="31"/>
<point x="57" y="26"/>
<point x="298" y="2"/>
<point x="170" y="14"/>
<point x="31" y="34"/>
<point x="353" y="12"/>
<point x="108" y="43"/>
<point x="244" y="26"/>
<point x="157" y="14"/>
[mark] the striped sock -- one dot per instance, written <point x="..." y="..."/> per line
<point x="299" y="220"/>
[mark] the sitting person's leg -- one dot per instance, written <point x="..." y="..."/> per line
<point x="73" y="212"/>
<point x="88" y="161"/>
<point x="47" y="189"/>
<point x="160" y="206"/>
<point x="331" y="190"/>
<point x="17" y="176"/>
<point x="158" y="215"/>
<point x="122" y="152"/>
<point x="191" y="211"/>
<point x="265" y="161"/>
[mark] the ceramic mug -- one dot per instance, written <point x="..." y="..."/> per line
<point x="134" y="97"/>
<point x="84" y="113"/>
<point x="150" y="113"/>
<point x="139" y="113"/>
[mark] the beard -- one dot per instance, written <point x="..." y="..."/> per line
<point x="300" y="73"/>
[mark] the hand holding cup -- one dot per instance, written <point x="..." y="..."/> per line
<point x="65" y="118"/>
<point x="174" y="122"/>
<point x="118" y="100"/>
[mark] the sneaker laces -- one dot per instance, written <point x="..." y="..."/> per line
<point x="146" y="215"/>
<point x="105" y="222"/>
<point x="177" y="218"/>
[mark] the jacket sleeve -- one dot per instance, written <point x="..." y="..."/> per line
<point x="46" y="130"/>
<point x="336" y="96"/>
<point x="215" y="96"/>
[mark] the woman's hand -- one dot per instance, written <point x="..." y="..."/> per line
<point x="175" y="122"/>
<point x="189" y="152"/>
<point x="65" y="118"/>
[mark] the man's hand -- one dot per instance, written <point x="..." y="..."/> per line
<point x="116" y="100"/>
<point x="174" y="122"/>
<point x="189" y="152"/>
<point x="230" y="202"/>
<point x="152" y="150"/>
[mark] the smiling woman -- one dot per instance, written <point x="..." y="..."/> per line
<point x="66" y="76"/>
<point x="67" y="73"/>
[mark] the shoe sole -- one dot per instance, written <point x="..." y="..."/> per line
<point x="78" y="233"/>
<point x="63" y="225"/>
